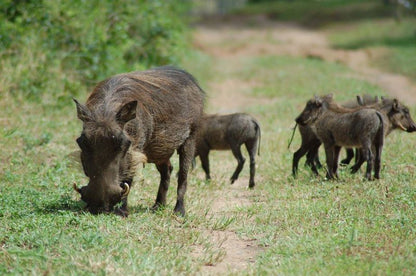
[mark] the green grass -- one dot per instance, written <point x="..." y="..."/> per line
<point x="309" y="225"/>
<point x="303" y="226"/>
<point x="396" y="39"/>
<point x="354" y="25"/>
<point x="314" y="13"/>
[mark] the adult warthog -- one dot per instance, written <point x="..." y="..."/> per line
<point x="132" y="118"/>
<point x="225" y="132"/>
<point x="338" y="127"/>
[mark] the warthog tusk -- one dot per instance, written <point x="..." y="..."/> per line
<point x="126" y="190"/>
<point x="76" y="188"/>
<point x="401" y="126"/>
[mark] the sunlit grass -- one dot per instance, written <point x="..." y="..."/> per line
<point x="394" y="40"/>
<point x="303" y="226"/>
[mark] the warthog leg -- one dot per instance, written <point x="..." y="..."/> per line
<point x="377" y="162"/>
<point x="359" y="161"/>
<point x="296" y="156"/>
<point x="312" y="159"/>
<point x="203" y="156"/>
<point x="348" y="158"/>
<point x="164" y="169"/>
<point x="251" y="147"/>
<point x="337" y="149"/>
<point x="368" y="157"/>
<point x="237" y="154"/>
<point x="330" y="153"/>
<point x="186" y="154"/>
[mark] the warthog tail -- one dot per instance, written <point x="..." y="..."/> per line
<point x="293" y="134"/>
<point x="258" y="132"/>
<point x="380" y="133"/>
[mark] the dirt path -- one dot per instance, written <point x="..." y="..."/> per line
<point x="229" y="40"/>
<point x="256" y="36"/>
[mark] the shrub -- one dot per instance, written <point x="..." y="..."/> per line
<point x="81" y="42"/>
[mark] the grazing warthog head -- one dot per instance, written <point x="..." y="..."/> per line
<point x="104" y="156"/>
<point x="398" y="114"/>
<point x="313" y="109"/>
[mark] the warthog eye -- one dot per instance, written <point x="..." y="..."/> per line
<point x="121" y="141"/>
<point x="83" y="143"/>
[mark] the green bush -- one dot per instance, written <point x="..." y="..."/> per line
<point x="80" y="42"/>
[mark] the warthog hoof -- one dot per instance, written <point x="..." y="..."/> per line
<point x="122" y="212"/>
<point x="157" y="206"/>
<point x="344" y="162"/>
<point x="179" y="209"/>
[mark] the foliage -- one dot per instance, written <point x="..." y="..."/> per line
<point x="395" y="40"/>
<point x="81" y="42"/>
<point x="355" y="24"/>
<point x="317" y="13"/>
<point x="303" y="226"/>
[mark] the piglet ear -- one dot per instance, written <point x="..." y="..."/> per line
<point x="395" y="104"/>
<point x="360" y="100"/>
<point x="126" y="113"/>
<point x="318" y="101"/>
<point x="330" y="97"/>
<point x="83" y="112"/>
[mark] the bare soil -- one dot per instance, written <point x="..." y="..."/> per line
<point x="227" y="40"/>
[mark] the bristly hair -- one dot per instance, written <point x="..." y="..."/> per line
<point x="137" y="158"/>
<point x="151" y="87"/>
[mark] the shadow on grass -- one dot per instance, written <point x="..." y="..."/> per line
<point x="135" y="209"/>
<point x="319" y="18"/>
<point x="315" y="14"/>
<point x="64" y="203"/>
<point x="404" y="41"/>
<point x="67" y="204"/>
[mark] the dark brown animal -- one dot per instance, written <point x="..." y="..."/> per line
<point x="310" y="143"/>
<point x="365" y="100"/>
<point x="310" y="146"/>
<point x="396" y="117"/>
<point x="339" y="127"/>
<point x="225" y="132"/>
<point x="132" y="118"/>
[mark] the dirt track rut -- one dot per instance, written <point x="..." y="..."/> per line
<point x="258" y="36"/>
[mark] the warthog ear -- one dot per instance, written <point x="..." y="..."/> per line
<point x="360" y="100"/>
<point x="318" y="101"/>
<point x="82" y="111"/>
<point x="395" y="104"/>
<point x="126" y="113"/>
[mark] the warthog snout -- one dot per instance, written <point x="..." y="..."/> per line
<point x="311" y="111"/>
<point x="399" y="115"/>
<point x="106" y="202"/>
<point x="412" y="127"/>
<point x="301" y="121"/>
